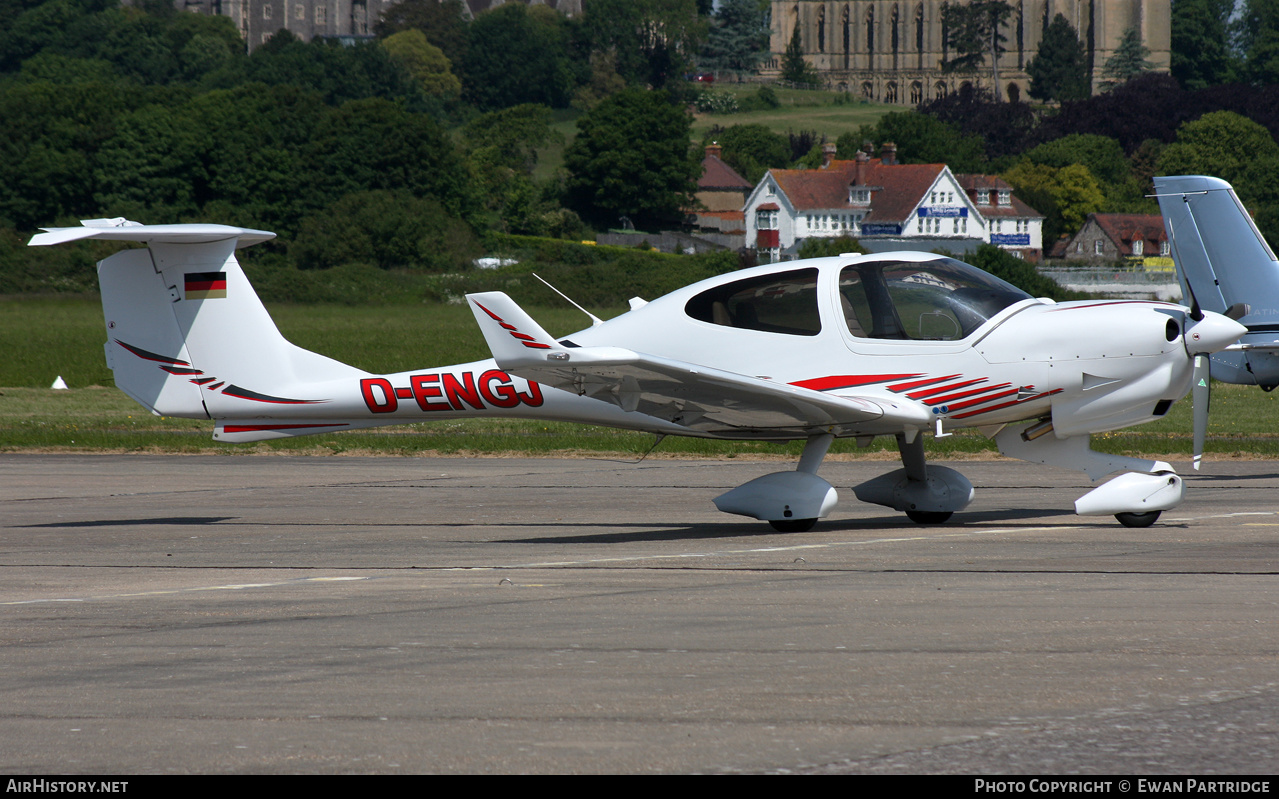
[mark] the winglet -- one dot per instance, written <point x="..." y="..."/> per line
<point x="512" y="335"/>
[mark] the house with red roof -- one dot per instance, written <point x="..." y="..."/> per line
<point x="888" y="206"/>
<point x="1115" y="237"/>
<point x="721" y="193"/>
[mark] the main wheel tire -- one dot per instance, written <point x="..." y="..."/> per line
<point x="1138" y="519"/>
<point x="929" y="516"/>
<point x="792" y="525"/>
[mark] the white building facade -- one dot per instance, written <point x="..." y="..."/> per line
<point x="886" y="206"/>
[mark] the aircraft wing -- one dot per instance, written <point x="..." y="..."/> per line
<point x="700" y="398"/>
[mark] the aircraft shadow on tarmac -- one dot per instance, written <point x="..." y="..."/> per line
<point x="169" y="520"/>
<point x="638" y="532"/>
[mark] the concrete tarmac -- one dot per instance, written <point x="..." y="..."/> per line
<point x="232" y="614"/>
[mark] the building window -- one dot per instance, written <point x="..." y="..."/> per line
<point x="320" y="15"/>
<point x="1098" y="247"/>
<point x="1005" y="197"/>
<point x="1164" y="249"/>
<point x="1138" y="247"/>
<point x="299" y="11"/>
<point x="266" y="11"/>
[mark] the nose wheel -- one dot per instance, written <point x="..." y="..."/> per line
<point x="1138" y="519"/>
<point x="792" y="525"/>
<point x="928" y="516"/>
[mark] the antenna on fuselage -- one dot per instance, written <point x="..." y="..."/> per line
<point x="595" y="320"/>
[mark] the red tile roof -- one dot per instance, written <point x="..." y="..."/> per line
<point x="717" y="175"/>
<point x="898" y="188"/>
<point x="1123" y="229"/>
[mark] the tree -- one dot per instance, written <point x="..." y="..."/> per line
<point x="1105" y="159"/>
<point x="1256" y="36"/>
<point x="650" y="40"/>
<point x="631" y="158"/>
<point x="424" y="61"/>
<point x="752" y="149"/>
<point x="1059" y="70"/>
<point x="1004" y="127"/>
<point x="795" y="67"/>
<point x="1150" y="106"/>
<point x="738" y="38"/>
<point x="1127" y="62"/>
<point x="501" y="153"/>
<point x="440" y="20"/>
<point x="920" y="139"/>
<point x="387" y="229"/>
<point x="518" y="54"/>
<point x="1222" y="143"/>
<point x="1200" y="43"/>
<point x="1066" y="195"/>
<point x="1102" y="155"/>
<point x="973" y="34"/>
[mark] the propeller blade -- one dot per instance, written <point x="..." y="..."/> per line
<point x="1201" y="397"/>
<point x="1196" y="313"/>
<point x="1237" y="311"/>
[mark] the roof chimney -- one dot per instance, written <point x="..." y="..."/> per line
<point x="859" y="168"/>
<point x="828" y="153"/>
<point x="888" y="153"/>
<point x="713" y="149"/>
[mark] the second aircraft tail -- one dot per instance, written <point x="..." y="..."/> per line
<point x="1224" y="260"/>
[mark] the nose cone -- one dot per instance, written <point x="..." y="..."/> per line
<point x="1213" y="333"/>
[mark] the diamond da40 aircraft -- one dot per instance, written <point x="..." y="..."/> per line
<point x="901" y="344"/>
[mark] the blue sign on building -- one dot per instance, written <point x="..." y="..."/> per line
<point x="881" y="230"/>
<point x="1010" y="239"/>
<point x="944" y="211"/>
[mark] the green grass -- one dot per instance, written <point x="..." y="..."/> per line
<point x="43" y="338"/>
<point x="829" y="113"/>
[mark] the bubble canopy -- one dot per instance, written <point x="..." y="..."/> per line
<point x="930" y="299"/>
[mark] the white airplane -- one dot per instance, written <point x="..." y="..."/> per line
<point x="893" y="344"/>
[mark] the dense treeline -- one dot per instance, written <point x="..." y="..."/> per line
<point x="1217" y="113"/>
<point x="416" y="149"/>
<point x="400" y="152"/>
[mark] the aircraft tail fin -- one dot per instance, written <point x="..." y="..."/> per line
<point x="186" y="333"/>
<point x="514" y="338"/>
<point x="1220" y="254"/>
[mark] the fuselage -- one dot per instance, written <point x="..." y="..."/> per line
<point x="938" y="340"/>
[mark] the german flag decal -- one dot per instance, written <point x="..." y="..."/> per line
<point x="205" y="285"/>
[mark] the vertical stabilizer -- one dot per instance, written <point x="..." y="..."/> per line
<point x="186" y="333"/>
<point x="1222" y="257"/>
<point x="1217" y="247"/>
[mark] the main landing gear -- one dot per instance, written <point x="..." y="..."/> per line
<point x="792" y="502"/>
<point x="927" y="494"/>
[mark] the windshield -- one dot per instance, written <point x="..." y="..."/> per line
<point x="939" y="300"/>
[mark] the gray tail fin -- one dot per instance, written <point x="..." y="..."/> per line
<point x="1219" y="252"/>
